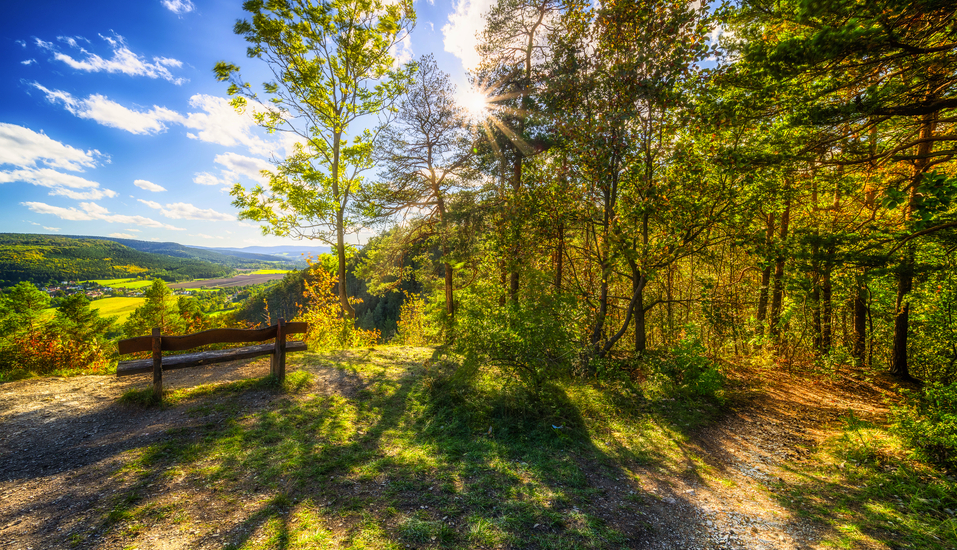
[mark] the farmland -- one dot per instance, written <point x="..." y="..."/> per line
<point x="254" y="278"/>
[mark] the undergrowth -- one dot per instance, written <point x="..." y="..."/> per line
<point x="867" y="485"/>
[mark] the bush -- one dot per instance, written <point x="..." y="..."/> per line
<point x="534" y="340"/>
<point x="927" y="422"/>
<point x="686" y="370"/>
<point x="328" y="328"/>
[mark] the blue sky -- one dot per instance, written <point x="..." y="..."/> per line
<point x="112" y="123"/>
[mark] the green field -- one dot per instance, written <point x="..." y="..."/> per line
<point x="121" y="307"/>
<point x="122" y="283"/>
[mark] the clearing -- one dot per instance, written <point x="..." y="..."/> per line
<point x="371" y="449"/>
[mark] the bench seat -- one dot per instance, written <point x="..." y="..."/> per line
<point x="173" y="362"/>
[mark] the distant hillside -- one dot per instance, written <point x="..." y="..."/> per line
<point x="292" y="252"/>
<point x="44" y="258"/>
<point x="231" y="257"/>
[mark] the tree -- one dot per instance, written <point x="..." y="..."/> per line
<point x="514" y="48"/>
<point x="619" y="92"/>
<point x="334" y="70"/>
<point x="159" y="310"/>
<point x="425" y="154"/>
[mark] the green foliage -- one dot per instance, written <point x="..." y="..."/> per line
<point x="160" y="310"/>
<point x="686" y="370"/>
<point x="927" y="421"/>
<point x="73" y="340"/>
<point x="534" y="340"/>
<point x="413" y="326"/>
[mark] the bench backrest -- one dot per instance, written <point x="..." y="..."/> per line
<point x="214" y="336"/>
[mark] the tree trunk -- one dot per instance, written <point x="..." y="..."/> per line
<point x="860" y="322"/>
<point x="641" y="339"/>
<point x="560" y="258"/>
<point x="516" y="252"/>
<point x="827" y="312"/>
<point x="777" y="292"/>
<point x="765" y="279"/>
<point x="347" y="308"/>
<point x="905" y="274"/>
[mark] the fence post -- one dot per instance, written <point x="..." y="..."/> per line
<point x="157" y="364"/>
<point x="279" y="356"/>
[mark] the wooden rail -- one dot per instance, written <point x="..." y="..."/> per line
<point x="157" y="344"/>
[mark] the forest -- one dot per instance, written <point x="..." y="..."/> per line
<point x="772" y="179"/>
<point x="649" y="198"/>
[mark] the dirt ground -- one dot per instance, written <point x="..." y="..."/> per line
<point x="62" y="441"/>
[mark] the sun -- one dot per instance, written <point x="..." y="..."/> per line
<point x="475" y="104"/>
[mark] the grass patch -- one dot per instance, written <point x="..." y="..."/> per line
<point x="864" y="485"/>
<point x="390" y="450"/>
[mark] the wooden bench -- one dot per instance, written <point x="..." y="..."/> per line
<point x="158" y="343"/>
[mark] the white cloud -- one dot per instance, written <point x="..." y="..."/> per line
<point x="54" y="229"/>
<point x="20" y="43"/>
<point x="123" y="60"/>
<point x="121" y="236"/>
<point x="133" y="229"/>
<point x="402" y="50"/>
<point x="205" y="236"/>
<point x="109" y="113"/>
<point x="178" y="7"/>
<point x="220" y="123"/>
<point x="28" y="62"/>
<point x="151" y="204"/>
<point x="24" y="148"/>
<point x="205" y="178"/>
<point x="149" y="186"/>
<point x="92" y="211"/>
<point x="460" y="32"/>
<point x="246" y="166"/>
<point x="34" y="157"/>
<point x="185" y="211"/>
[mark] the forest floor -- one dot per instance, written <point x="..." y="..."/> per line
<point x="355" y="452"/>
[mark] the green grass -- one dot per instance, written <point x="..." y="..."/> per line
<point x="866" y="487"/>
<point x="403" y="456"/>
<point x="120" y="307"/>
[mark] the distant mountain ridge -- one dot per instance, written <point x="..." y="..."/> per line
<point x="289" y="251"/>
<point x="215" y="255"/>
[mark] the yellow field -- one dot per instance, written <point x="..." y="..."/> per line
<point x="269" y="272"/>
<point x="121" y="307"/>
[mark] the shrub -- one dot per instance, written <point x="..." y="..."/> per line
<point x="536" y="340"/>
<point x="687" y="370"/>
<point x="927" y="421"/>
<point x="328" y="328"/>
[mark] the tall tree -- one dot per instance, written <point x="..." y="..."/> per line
<point x="514" y="49"/>
<point x="334" y="73"/>
<point x="425" y="154"/>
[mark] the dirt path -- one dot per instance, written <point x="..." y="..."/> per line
<point x="63" y="440"/>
